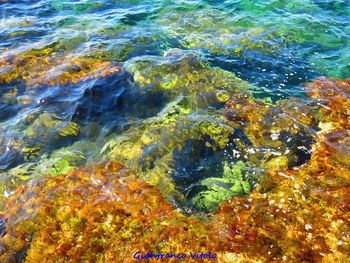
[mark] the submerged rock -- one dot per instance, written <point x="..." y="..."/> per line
<point x="21" y="150"/>
<point x="57" y="162"/>
<point x="46" y="126"/>
<point x="215" y="31"/>
<point x="183" y="72"/>
<point x="151" y="146"/>
<point x="197" y="92"/>
<point x="52" y="65"/>
<point x="43" y="132"/>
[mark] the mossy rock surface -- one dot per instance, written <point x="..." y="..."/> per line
<point x="184" y="72"/>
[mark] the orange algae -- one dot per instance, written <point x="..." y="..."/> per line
<point x="47" y="66"/>
<point x="100" y="214"/>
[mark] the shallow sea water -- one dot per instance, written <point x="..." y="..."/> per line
<point x="235" y="113"/>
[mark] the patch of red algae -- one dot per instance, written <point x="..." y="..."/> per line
<point x="302" y="214"/>
<point x="98" y="214"/>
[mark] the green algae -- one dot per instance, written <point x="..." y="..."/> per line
<point x="57" y="162"/>
<point x="237" y="180"/>
<point x="31" y="145"/>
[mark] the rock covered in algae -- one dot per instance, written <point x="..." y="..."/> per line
<point x="46" y="130"/>
<point x="57" y="162"/>
<point x="167" y="151"/>
<point x="196" y="90"/>
<point x="98" y="214"/>
<point x="265" y="137"/>
<point x="125" y="41"/>
<point x="302" y="215"/>
<point x="150" y="146"/>
<point x="52" y="65"/>
<point x="183" y="72"/>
